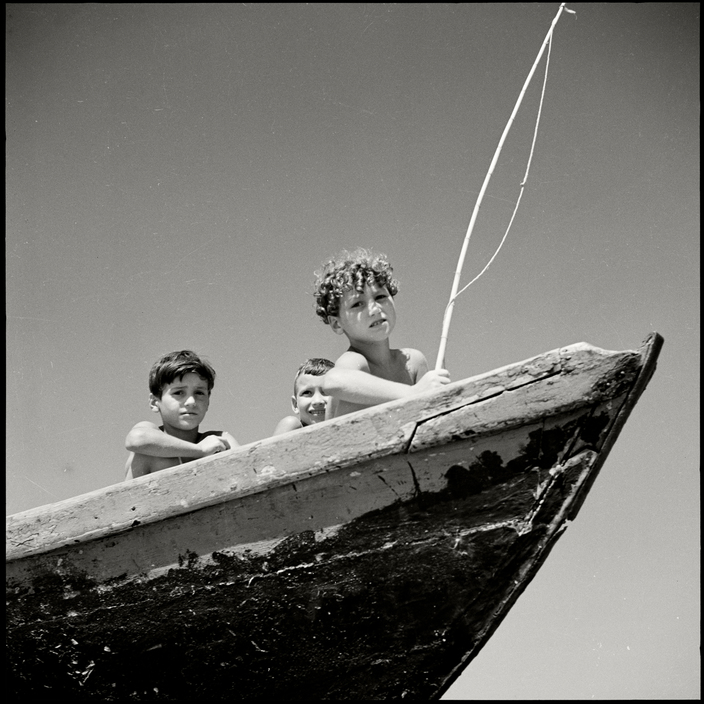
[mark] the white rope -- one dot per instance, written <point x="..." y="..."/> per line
<point x="523" y="183"/>
<point x="455" y="284"/>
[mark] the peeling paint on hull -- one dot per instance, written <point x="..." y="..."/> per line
<point x="368" y="557"/>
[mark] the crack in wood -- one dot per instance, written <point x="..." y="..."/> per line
<point x="480" y="398"/>
<point x="415" y="480"/>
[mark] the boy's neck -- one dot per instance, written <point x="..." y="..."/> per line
<point x="377" y="353"/>
<point x="187" y="435"/>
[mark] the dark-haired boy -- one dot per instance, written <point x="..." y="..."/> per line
<point x="180" y="384"/>
<point x="309" y="403"/>
<point x="354" y="294"/>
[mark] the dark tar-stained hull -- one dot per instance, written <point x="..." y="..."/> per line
<point x="369" y="557"/>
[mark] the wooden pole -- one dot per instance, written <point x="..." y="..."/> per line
<point x="456" y="282"/>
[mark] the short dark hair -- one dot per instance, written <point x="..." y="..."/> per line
<point x="174" y="365"/>
<point x="315" y="366"/>
<point x="350" y="270"/>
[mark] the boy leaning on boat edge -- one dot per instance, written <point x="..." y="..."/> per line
<point x="309" y="403"/>
<point x="180" y="384"/>
<point x="354" y="295"/>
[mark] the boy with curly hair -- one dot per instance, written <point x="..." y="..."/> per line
<point x="309" y="403"/>
<point x="180" y="384"/>
<point x="354" y="295"/>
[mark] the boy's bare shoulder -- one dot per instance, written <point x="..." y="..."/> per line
<point x="146" y="424"/>
<point x="412" y="354"/>
<point x="288" y="423"/>
<point x="352" y="360"/>
<point x="416" y="363"/>
<point x="138" y="465"/>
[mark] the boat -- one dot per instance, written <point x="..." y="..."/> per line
<point x="366" y="557"/>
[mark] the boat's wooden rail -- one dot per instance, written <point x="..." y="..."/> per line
<point x="369" y="557"/>
<point x="569" y="377"/>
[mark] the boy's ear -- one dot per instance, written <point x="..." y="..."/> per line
<point x="154" y="403"/>
<point x="294" y="405"/>
<point x="334" y="323"/>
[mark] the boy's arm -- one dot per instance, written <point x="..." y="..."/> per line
<point x="220" y="434"/>
<point x="224" y="435"/>
<point x="286" y="424"/>
<point x="147" y="439"/>
<point x="230" y="438"/>
<point x="350" y="380"/>
<point x="417" y="364"/>
<point x="128" y="467"/>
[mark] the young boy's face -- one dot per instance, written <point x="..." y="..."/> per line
<point x="309" y="403"/>
<point x="367" y="316"/>
<point x="183" y="403"/>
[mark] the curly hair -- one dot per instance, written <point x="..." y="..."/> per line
<point x="174" y="365"/>
<point x="346" y="271"/>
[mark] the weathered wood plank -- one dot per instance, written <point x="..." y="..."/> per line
<point x="267" y="574"/>
<point x="251" y="523"/>
<point x="577" y="386"/>
<point x="376" y="432"/>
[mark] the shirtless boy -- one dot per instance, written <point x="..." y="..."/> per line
<point x="354" y="295"/>
<point x="180" y="384"/>
<point x="308" y="401"/>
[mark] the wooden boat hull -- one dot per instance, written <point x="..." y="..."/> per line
<point x="369" y="557"/>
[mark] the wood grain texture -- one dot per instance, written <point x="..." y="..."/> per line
<point x="364" y="558"/>
<point x="376" y="432"/>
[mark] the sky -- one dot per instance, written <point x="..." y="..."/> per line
<point x="176" y="173"/>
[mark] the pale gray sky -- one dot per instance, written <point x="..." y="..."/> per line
<point x="176" y="173"/>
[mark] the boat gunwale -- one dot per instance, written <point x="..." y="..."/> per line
<point x="414" y="411"/>
<point x="649" y="352"/>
